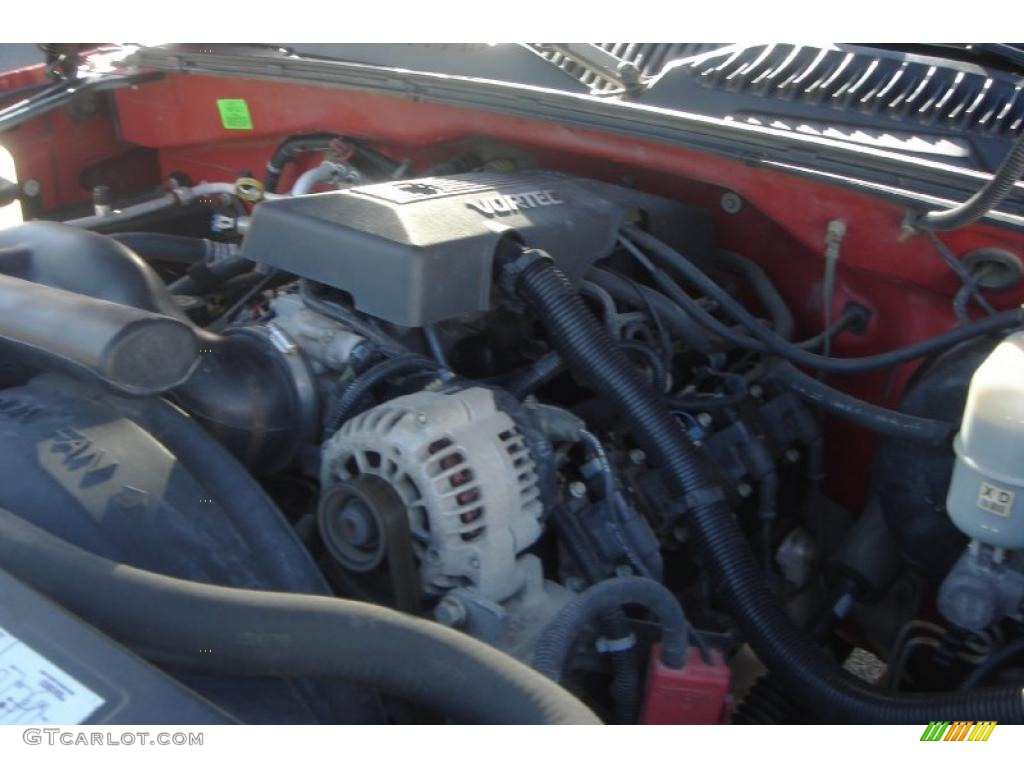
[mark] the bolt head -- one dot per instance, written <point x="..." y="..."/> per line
<point x="744" y="490"/>
<point x="637" y="456"/>
<point x="577" y="490"/>
<point x="731" y="202"/>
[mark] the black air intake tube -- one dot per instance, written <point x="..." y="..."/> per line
<point x="286" y="635"/>
<point x="132" y="350"/>
<point x="257" y="400"/>
<point x="593" y="357"/>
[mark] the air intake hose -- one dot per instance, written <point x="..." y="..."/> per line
<point x="132" y="350"/>
<point x="594" y="358"/>
<point x="286" y="635"/>
<point x="114" y="317"/>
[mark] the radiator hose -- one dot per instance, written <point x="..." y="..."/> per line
<point x="806" y="669"/>
<point x="277" y="634"/>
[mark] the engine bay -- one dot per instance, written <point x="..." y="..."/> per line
<point x="688" y="457"/>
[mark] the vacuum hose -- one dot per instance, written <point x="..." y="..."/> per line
<point x="286" y="635"/>
<point x="593" y="358"/>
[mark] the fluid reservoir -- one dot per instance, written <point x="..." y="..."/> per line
<point x="986" y="493"/>
<point x="10" y="214"/>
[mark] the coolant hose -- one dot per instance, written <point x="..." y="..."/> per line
<point x="593" y="358"/>
<point x="557" y="639"/>
<point x="884" y="421"/>
<point x="276" y="634"/>
<point x="984" y="200"/>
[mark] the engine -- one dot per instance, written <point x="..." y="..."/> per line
<point x="544" y="412"/>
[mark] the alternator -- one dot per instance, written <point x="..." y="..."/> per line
<point x="465" y="476"/>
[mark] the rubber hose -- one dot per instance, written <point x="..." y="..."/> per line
<point x="272" y="540"/>
<point x="288" y="150"/>
<point x="344" y="404"/>
<point x="659" y="373"/>
<point x="874" y="417"/>
<point x="765" y="289"/>
<point x="285" y="635"/>
<point x="593" y="357"/>
<point x="767" y="341"/>
<point x="633" y="294"/>
<point x="626" y="685"/>
<point x="991" y="663"/>
<point x="216" y="275"/>
<point x="537" y="374"/>
<point x="984" y="200"/>
<point x="556" y="641"/>
<point x="155" y="246"/>
<point x="346" y="317"/>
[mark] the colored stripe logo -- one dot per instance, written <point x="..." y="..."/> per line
<point x="960" y="730"/>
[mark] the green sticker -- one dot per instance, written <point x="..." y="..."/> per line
<point x="234" y="114"/>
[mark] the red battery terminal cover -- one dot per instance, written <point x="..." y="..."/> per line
<point x="696" y="694"/>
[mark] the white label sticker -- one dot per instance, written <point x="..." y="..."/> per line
<point x="998" y="501"/>
<point x="33" y="690"/>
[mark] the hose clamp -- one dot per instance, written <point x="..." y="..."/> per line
<point x="513" y="269"/>
<point x="615" y="644"/>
